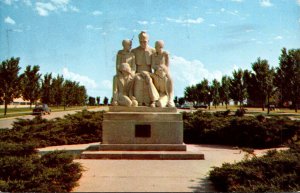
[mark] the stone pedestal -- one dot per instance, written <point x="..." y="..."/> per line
<point x="139" y="132"/>
<point x="142" y="128"/>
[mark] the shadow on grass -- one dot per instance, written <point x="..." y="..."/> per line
<point x="203" y="185"/>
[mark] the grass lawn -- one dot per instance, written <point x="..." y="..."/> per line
<point x="14" y="112"/>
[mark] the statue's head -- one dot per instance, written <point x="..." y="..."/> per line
<point x="161" y="70"/>
<point x="126" y="44"/>
<point x="144" y="39"/>
<point x="124" y="68"/>
<point x="159" y="45"/>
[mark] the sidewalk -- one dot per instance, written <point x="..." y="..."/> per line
<point x="153" y="175"/>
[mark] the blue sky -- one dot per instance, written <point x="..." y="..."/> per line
<point x="205" y="38"/>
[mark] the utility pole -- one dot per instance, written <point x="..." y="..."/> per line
<point x="7" y="39"/>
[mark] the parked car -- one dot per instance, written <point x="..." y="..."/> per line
<point x="200" y="106"/>
<point x="186" y="106"/>
<point x="42" y="109"/>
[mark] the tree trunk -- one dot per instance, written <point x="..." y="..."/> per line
<point x="5" y="107"/>
<point x="30" y="104"/>
<point x="268" y="104"/>
<point x="263" y="105"/>
<point x="226" y="106"/>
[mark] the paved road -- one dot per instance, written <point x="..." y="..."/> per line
<point x="7" y="122"/>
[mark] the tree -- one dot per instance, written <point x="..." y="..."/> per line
<point x="181" y="101"/>
<point x="176" y="100"/>
<point x="238" y="90"/>
<point x="105" y="101"/>
<point x="31" y="84"/>
<point x="205" y="93"/>
<point x="263" y="77"/>
<point x="287" y="77"/>
<point x="215" y="92"/>
<point x="98" y="100"/>
<point x="190" y="94"/>
<point x="47" y="90"/>
<point x="92" y="101"/>
<point x="225" y="90"/>
<point x="10" y="81"/>
<point x="57" y="89"/>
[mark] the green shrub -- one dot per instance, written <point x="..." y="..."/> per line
<point x="82" y="127"/>
<point x="274" y="172"/>
<point x="22" y="171"/>
<point x="200" y="127"/>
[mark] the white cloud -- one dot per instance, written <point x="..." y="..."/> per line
<point x="9" y="20"/>
<point x="83" y="80"/>
<point x="10" y="2"/>
<point x="96" y="13"/>
<point x="278" y="38"/>
<point x="143" y="22"/>
<point x="265" y="3"/>
<point x="187" y="72"/>
<point x="298" y="1"/>
<point x="44" y="9"/>
<point x="106" y="84"/>
<point x="212" y="25"/>
<point x="238" y="1"/>
<point x="91" y="27"/>
<point x="186" y="21"/>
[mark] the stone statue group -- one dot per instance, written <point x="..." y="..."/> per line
<point x="142" y="75"/>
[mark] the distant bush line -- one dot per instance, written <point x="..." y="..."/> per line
<point x="252" y="132"/>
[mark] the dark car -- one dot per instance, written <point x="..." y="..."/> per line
<point x="200" y="106"/>
<point x="41" y="110"/>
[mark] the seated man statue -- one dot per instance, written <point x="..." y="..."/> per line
<point x="122" y="85"/>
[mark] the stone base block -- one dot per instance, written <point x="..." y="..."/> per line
<point x="147" y="155"/>
<point x="142" y="128"/>
<point x="142" y="147"/>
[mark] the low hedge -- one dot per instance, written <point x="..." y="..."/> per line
<point x="26" y="171"/>
<point x="82" y="127"/>
<point x="253" y="132"/>
<point x="274" y="172"/>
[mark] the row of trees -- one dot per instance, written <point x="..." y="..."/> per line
<point x="30" y="85"/>
<point x="96" y="101"/>
<point x="259" y="87"/>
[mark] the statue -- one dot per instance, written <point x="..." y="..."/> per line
<point x="143" y="53"/>
<point x="126" y="56"/>
<point x="135" y="84"/>
<point x="143" y="89"/>
<point x="160" y="60"/>
<point x="122" y="86"/>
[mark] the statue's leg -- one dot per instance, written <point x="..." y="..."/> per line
<point x="125" y="101"/>
<point x="170" y="91"/>
<point x="162" y="101"/>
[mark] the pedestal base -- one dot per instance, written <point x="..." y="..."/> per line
<point x="142" y="133"/>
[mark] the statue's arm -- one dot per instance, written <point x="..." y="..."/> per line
<point x="133" y="68"/>
<point x="118" y="62"/>
<point x="115" y="89"/>
<point x="167" y="59"/>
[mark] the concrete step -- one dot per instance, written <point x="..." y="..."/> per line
<point x="142" y="155"/>
<point x="142" y="147"/>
